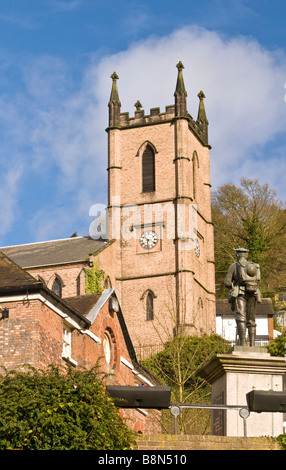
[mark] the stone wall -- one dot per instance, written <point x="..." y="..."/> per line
<point x="183" y="442"/>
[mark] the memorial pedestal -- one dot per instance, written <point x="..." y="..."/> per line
<point x="232" y="376"/>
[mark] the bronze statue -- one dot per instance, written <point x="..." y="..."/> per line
<point x="242" y="279"/>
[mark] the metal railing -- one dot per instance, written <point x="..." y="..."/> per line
<point x="175" y="410"/>
<point x="145" y="351"/>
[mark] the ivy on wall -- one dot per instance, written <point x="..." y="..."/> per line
<point x="93" y="280"/>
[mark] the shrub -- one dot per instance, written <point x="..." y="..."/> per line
<point x="59" y="410"/>
<point x="278" y="346"/>
<point x="281" y="439"/>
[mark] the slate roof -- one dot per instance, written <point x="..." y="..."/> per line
<point x="13" y="279"/>
<point x="55" y="252"/>
<point x="83" y="303"/>
<point x="13" y="276"/>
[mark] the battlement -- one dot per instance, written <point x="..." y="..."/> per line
<point x="156" y="117"/>
<point x="140" y="119"/>
<point x="120" y="120"/>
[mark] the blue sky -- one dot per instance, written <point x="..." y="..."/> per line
<point x="56" y="58"/>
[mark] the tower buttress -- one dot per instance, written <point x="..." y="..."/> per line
<point x="114" y="160"/>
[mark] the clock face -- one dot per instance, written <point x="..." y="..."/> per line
<point x="148" y="239"/>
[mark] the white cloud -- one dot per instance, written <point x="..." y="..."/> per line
<point x="9" y="194"/>
<point x="60" y="128"/>
<point x="243" y="83"/>
<point x="19" y="21"/>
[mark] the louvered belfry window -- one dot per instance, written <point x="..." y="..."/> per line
<point x="148" y="170"/>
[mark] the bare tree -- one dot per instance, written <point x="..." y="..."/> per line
<point x="177" y="365"/>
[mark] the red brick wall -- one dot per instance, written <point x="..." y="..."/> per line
<point x="33" y="334"/>
<point x="187" y="443"/>
<point x="19" y="334"/>
<point x="69" y="274"/>
<point x="50" y="337"/>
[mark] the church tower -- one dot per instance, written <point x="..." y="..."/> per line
<point x="159" y="207"/>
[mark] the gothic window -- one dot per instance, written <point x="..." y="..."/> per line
<point x="57" y="287"/>
<point x="148" y="170"/>
<point x="148" y="299"/>
<point x="149" y="306"/>
<point x="109" y="349"/>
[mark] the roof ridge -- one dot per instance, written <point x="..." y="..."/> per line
<point x="44" y="241"/>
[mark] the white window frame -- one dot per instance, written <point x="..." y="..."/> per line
<point x="67" y="343"/>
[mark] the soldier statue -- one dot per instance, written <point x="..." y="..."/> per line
<point x="242" y="279"/>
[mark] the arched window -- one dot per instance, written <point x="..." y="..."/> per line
<point x="148" y="170"/>
<point x="149" y="306"/>
<point x="57" y="287"/>
<point x="148" y="299"/>
<point x="107" y="348"/>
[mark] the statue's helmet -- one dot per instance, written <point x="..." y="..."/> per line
<point x="241" y="250"/>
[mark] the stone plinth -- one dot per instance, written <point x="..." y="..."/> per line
<point x="232" y="376"/>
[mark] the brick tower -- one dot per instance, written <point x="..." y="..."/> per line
<point x="160" y="213"/>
